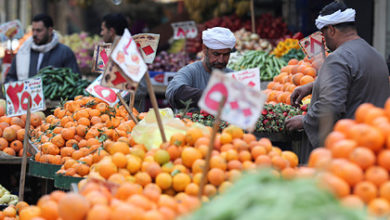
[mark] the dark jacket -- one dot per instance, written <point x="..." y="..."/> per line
<point x="59" y="56"/>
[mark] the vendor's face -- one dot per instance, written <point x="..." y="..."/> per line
<point x="106" y="33"/>
<point x="329" y="33"/>
<point x="41" y="34"/>
<point x="216" y="59"/>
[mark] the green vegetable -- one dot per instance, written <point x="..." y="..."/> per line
<point x="269" y="65"/>
<point x="264" y="196"/>
<point x="62" y="83"/>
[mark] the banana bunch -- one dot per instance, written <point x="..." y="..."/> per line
<point x="6" y="198"/>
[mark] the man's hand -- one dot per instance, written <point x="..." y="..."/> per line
<point x="294" y="123"/>
<point x="299" y="93"/>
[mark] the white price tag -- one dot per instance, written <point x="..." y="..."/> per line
<point x="185" y="29"/>
<point x="18" y="93"/>
<point x="243" y="104"/>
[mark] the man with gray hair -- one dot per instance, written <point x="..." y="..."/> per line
<point x="191" y="80"/>
<point x="353" y="74"/>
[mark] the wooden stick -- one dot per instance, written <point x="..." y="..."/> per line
<point x="253" y="17"/>
<point x="129" y="110"/>
<point x="155" y="106"/>
<point x="132" y="100"/>
<point x="211" y="147"/>
<point x="25" y="150"/>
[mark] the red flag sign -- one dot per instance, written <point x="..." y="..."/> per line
<point x="243" y="104"/>
<point x="312" y="45"/>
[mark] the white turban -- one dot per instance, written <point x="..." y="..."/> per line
<point x="218" y="38"/>
<point x="348" y="15"/>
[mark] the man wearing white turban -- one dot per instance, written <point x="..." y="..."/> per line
<point x="353" y="74"/>
<point x="191" y="80"/>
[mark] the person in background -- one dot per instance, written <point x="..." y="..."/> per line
<point x="41" y="50"/>
<point x="353" y="74"/>
<point x="112" y="25"/>
<point x="191" y="80"/>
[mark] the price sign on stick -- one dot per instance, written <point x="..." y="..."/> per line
<point x="126" y="55"/>
<point x="106" y="94"/>
<point x="147" y="45"/>
<point x="115" y="78"/>
<point x="312" y="45"/>
<point x="18" y="93"/>
<point x="250" y="77"/>
<point x="185" y="29"/>
<point x="100" y="57"/>
<point x="243" y="104"/>
<point x="10" y="30"/>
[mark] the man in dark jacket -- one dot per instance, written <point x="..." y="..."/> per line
<point x="41" y="50"/>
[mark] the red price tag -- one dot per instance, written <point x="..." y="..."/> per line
<point x="185" y="29"/>
<point x="18" y="93"/>
<point x="104" y="93"/>
<point x="312" y="45"/>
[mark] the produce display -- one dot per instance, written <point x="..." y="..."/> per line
<point x="82" y="45"/>
<point x="199" y="10"/>
<point x="268" y="65"/>
<point x="12" y="131"/>
<point x="77" y="131"/>
<point x="267" y="27"/>
<point x="251" y="41"/>
<point x="62" y="83"/>
<point x="266" y="196"/>
<point x="296" y="73"/>
<point x="285" y="46"/>
<point x="169" y="62"/>
<point x="355" y="161"/>
<point x="6" y="198"/>
<point x="293" y="54"/>
<point x="271" y="120"/>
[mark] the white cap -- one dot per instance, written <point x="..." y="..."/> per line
<point x="348" y="15"/>
<point x="218" y="38"/>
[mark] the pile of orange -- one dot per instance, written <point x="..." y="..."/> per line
<point x="78" y="132"/>
<point x="102" y="201"/>
<point x="177" y="166"/>
<point x="12" y="132"/>
<point x="356" y="159"/>
<point x="296" y="73"/>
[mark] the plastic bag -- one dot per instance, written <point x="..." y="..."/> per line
<point x="146" y="132"/>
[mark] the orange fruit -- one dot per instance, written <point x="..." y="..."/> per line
<point x="376" y="175"/>
<point x="126" y="190"/>
<point x="189" y="155"/>
<point x="49" y="210"/>
<point x="366" y="190"/>
<point x="349" y="172"/>
<point x="180" y="182"/>
<point x="106" y="169"/>
<point x="344" y="125"/>
<point x="343" y="148"/>
<point x="142" y="178"/>
<point x="161" y="156"/>
<point x="28" y="213"/>
<point x="99" y="212"/>
<point x="291" y="157"/>
<point x="192" y="135"/>
<point x="216" y="176"/>
<point x="335" y="184"/>
<point x="352" y="201"/>
<point x="119" y="146"/>
<point x="119" y="159"/>
<point x="366" y="136"/>
<point x="332" y="138"/>
<point x="10" y="211"/>
<point x="234" y="131"/>
<point x="379" y="207"/>
<point x="9" y="134"/>
<point x="218" y="162"/>
<point x="177" y="139"/>
<point x="384" y="190"/>
<point x="363" y="157"/>
<point x="384" y="159"/>
<point x="319" y="156"/>
<point x="164" y="180"/>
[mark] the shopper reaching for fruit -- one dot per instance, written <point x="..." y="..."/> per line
<point x="191" y="80"/>
<point x="41" y="50"/>
<point x="354" y="73"/>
